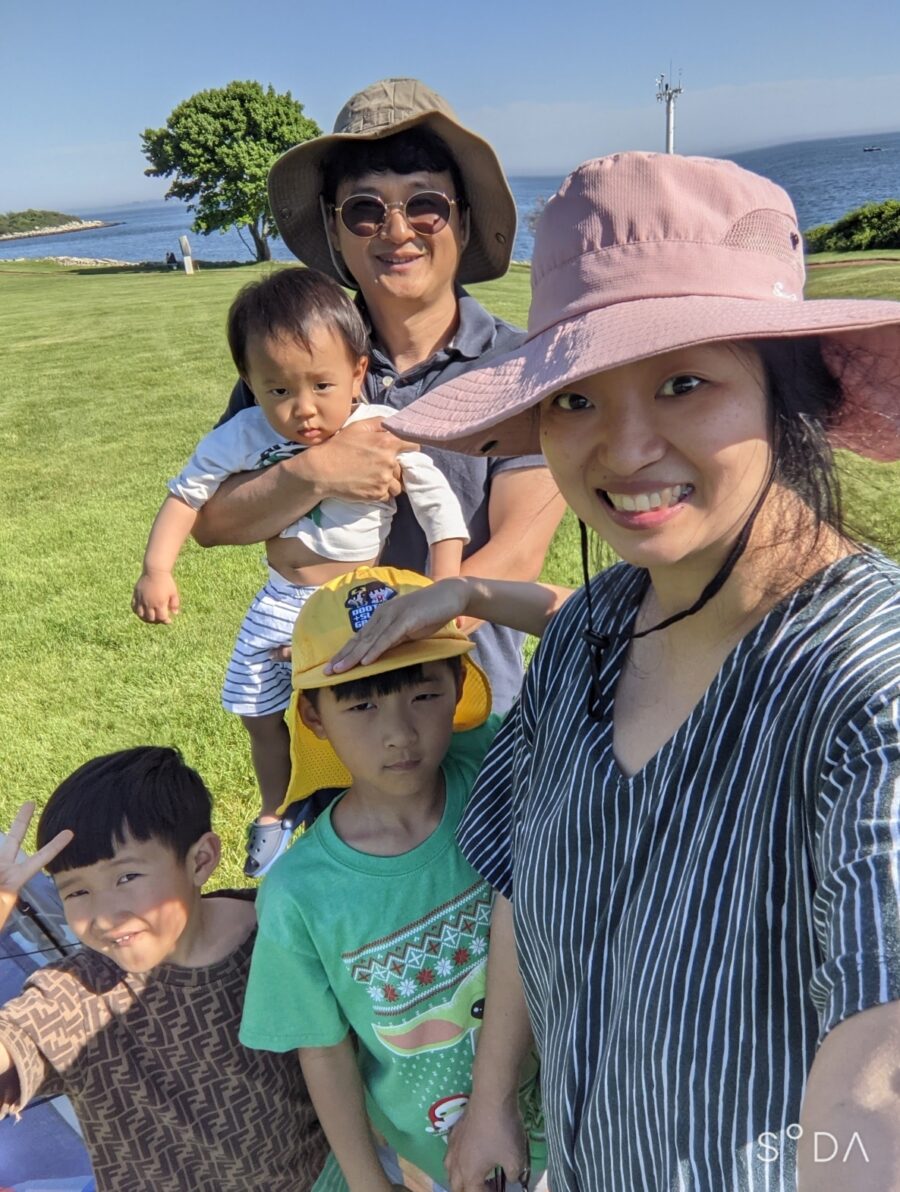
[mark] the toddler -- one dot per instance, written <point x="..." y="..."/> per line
<point x="300" y="345"/>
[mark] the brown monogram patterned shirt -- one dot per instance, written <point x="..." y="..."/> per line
<point x="167" y="1097"/>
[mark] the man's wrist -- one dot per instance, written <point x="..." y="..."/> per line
<point x="302" y="469"/>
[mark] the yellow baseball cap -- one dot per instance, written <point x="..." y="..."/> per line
<point x="327" y="621"/>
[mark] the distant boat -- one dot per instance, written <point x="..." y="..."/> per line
<point x="871" y="148"/>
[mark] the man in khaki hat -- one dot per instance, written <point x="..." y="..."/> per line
<point x="404" y="204"/>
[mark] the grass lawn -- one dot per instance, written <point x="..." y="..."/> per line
<point x="860" y="258"/>
<point x="874" y="275"/>
<point x="109" y="378"/>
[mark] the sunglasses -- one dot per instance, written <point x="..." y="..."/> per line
<point x="427" y="212"/>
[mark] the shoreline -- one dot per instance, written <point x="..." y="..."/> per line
<point x="68" y="262"/>
<point x="87" y="225"/>
<point x="100" y="262"/>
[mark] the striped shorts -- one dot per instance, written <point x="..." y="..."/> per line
<point x="255" y="684"/>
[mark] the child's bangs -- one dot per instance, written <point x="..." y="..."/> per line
<point x="146" y="793"/>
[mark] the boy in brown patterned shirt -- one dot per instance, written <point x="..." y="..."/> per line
<point x="140" y="1029"/>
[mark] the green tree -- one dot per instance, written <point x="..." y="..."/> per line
<point x="218" y="146"/>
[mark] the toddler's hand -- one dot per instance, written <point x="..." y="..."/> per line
<point x="14" y="873"/>
<point x="155" y="599"/>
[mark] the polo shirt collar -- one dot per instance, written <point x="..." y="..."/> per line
<point x="474" y="335"/>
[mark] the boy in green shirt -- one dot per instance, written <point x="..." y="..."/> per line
<point x="373" y="923"/>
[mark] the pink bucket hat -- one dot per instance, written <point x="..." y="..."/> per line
<point x="642" y="253"/>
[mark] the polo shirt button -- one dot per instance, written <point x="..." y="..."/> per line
<point x="386" y="382"/>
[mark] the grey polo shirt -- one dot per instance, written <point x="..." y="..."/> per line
<point x="479" y="337"/>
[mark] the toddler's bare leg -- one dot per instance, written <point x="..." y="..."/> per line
<point x="270" y="749"/>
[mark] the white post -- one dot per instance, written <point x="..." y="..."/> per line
<point x="186" y="254"/>
<point x="667" y="94"/>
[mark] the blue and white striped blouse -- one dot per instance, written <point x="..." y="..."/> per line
<point x="687" y="936"/>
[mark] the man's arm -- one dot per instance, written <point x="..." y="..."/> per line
<point x="359" y="463"/>
<point x="851" y="1108"/>
<point x="490" y="1132"/>
<point x="335" y="1087"/>
<point x="524" y="509"/>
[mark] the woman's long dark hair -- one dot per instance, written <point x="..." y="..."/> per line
<point x="804" y="401"/>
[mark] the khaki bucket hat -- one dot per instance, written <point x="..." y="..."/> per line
<point x="382" y="110"/>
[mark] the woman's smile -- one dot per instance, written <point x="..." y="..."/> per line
<point x="640" y="518"/>
<point x="648" y="500"/>
<point x="663" y="458"/>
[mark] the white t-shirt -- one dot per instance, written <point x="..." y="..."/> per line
<point x="346" y="531"/>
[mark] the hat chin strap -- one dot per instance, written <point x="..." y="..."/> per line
<point x="466" y="229"/>
<point x="336" y="260"/>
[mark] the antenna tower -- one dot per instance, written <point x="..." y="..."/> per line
<point x="667" y="94"/>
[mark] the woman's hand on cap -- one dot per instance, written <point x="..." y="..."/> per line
<point x="403" y="619"/>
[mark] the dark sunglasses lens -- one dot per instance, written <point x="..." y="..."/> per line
<point x="428" y="212"/>
<point x="363" y="215"/>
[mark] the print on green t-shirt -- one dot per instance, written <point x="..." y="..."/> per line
<point x="425" y="985"/>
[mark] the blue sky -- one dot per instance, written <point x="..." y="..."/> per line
<point x="549" y="83"/>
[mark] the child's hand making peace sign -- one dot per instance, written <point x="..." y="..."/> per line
<point x="15" y="871"/>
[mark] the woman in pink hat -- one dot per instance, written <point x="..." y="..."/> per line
<point x="692" y="816"/>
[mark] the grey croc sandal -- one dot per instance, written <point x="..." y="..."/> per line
<point x="265" y="844"/>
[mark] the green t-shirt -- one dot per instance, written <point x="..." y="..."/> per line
<point x="394" y="948"/>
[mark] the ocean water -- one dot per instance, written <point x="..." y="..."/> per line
<point x="825" y="179"/>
